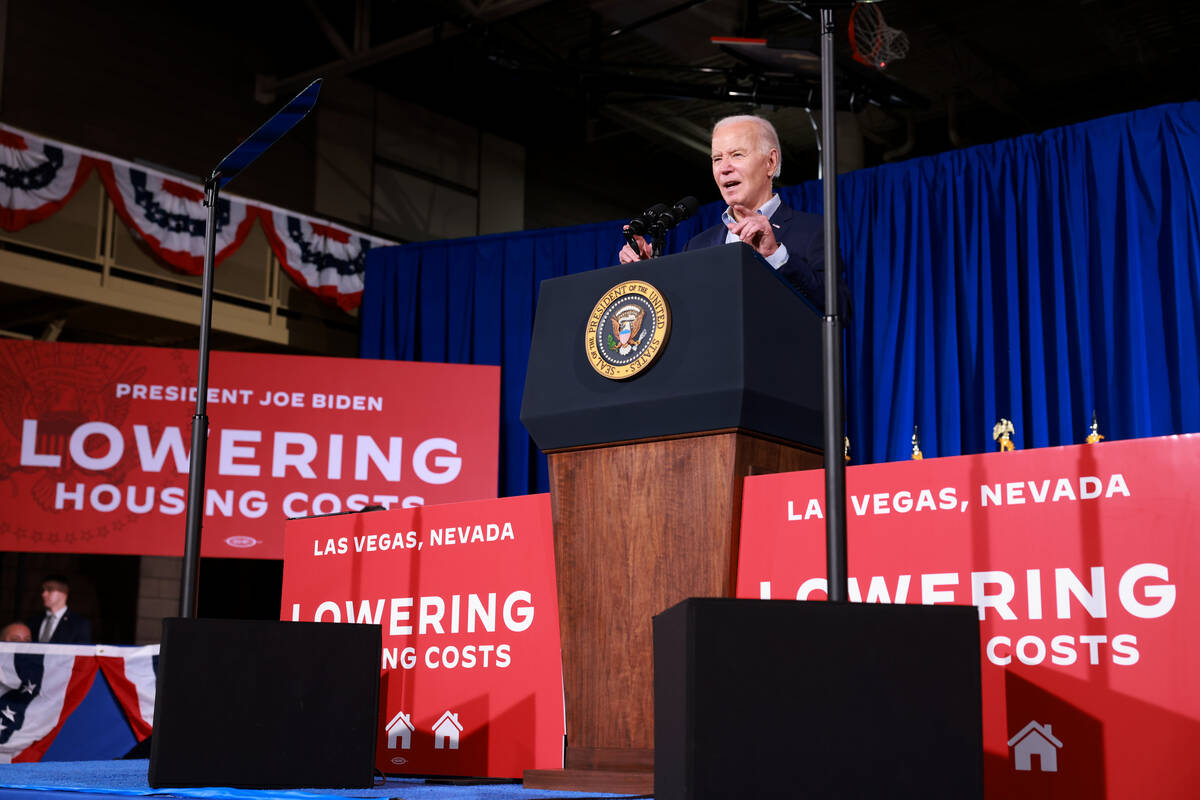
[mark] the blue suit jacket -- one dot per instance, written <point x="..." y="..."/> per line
<point x="72" y="629"/>
<point x="804" y="236"/>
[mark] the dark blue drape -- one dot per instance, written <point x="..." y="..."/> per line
<point x="1036" y="279"/>
<point x="471" y="301"/>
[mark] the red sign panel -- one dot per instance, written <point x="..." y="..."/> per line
<point x="471" y="673"/>
<point x="1081" y="561"/>
<point x="95" y="441"/>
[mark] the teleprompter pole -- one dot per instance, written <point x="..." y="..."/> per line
<point x="836" y="571"/>
<point x="195" y="496"/>
<point x="238" y="159"/>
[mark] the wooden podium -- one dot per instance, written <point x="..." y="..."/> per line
<point x="646" y="476"/>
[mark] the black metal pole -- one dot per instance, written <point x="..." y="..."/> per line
<point x="836" y="572"/>
<point x="230" y="166"/>
<point x="195" y="496"/>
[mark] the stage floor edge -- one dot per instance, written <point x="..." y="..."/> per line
<point x="68" y="780"/>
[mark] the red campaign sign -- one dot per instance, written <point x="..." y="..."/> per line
<point x="95" y="443"/>
<point x="471" y="680"/>
<point x="1081" y="560"/>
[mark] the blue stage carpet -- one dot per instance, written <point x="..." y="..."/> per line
<point x="61" y="780"/>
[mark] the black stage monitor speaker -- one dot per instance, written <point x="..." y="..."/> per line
<point x="258" y="704"/>
<point x="788" y="699"/>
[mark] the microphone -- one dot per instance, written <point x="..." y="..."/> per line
<point x="678" y="212"/>
<point x="642" y="224"/>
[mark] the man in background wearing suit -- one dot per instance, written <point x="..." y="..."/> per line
<point x="746" y="160"/>
<point x="59" y="625"/>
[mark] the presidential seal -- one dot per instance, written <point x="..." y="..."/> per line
<point x="627" y="330"/>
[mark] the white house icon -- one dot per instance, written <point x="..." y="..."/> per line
<point x="1035" y="739"/>
<point x="445" y="732"/>
<point x="401" y="728"/>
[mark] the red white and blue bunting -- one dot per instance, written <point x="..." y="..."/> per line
<point x="38" y="691"/>
<point x="170" y="216"/>
<point x="328" y="260"/>
<point x="38" y="177"/>
<point x="132" y="675"/>
<point x="42" y="684"/>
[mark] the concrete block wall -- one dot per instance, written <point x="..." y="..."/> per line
<point x="158" y="595"/>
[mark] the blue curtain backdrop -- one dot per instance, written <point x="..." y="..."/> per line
<point x="1037" y="279"/>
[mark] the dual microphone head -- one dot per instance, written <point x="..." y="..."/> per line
<point x="655" y="221"/>
<point x="662" y="217"/>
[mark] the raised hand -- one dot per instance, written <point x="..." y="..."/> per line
<point x="755" y="230"/>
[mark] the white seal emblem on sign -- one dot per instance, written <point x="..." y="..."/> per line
<point x="627" y="330"/>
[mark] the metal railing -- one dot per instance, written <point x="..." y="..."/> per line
<point x="87" y="243"/>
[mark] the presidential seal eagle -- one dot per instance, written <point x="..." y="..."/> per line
<point x="626" y="324"/>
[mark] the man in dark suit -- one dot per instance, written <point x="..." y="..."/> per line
<point x="59" y="625"/>
<point x="746" y="160"/>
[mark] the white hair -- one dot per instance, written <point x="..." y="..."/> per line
<point x="768" y="139"/>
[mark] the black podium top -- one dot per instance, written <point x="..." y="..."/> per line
<point x="743" y="350"/>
